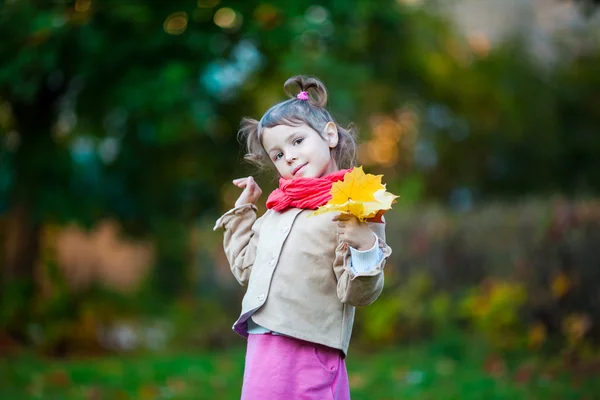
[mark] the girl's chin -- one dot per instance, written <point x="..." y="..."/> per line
<point x="307" y="175"/>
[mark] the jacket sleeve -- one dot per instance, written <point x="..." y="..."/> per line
<point x="360" y="289"/>
<point x="240" y="239"/>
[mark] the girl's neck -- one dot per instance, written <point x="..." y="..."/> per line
<point x="332" y="167"/>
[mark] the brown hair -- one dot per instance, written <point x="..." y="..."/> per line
<point x="294" y="112"/>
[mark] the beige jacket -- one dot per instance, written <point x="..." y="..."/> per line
<point x="298" y="273"/>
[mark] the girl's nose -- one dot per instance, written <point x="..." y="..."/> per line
<point x="290" y="157"/>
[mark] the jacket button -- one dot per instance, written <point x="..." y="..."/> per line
<point x="261" y="297"/>
<point x="285" y="229"/>
<point x="272" y="262"/>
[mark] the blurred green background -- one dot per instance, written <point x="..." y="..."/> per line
<point x="118" y="124"/>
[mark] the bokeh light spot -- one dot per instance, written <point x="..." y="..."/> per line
<point x="480" y="43"/>
<point x="176" y="23"/>
<point x="227" y="18"/>
<point x="317" y="14"/>
<point x="267" y="16"/>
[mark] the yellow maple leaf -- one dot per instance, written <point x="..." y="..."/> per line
<point x="359" y="194"/>
<point x="356" y="186"/>
<point x="383" y="202"/>
<point x="349" y="207"/>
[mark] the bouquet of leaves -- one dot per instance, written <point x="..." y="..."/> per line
<point x="362" y="195"/>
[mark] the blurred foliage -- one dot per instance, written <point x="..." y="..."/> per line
<point x="405" y="315"/>
<point x="128" y="110"/>
<point x="518" y="276"/>
<point x="494" y="311"/>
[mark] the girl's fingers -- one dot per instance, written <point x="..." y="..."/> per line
<point x="342" y="217"/>
<point x="245" y="179"/>
<point x="250" y="188"/>
<point x="344" y="222"/>
<point x="244" y="182"/>
<point x="252" y="183"/>
<point x="251" y="191"/>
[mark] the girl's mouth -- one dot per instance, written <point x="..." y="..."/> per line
<point x="298" y="169"/>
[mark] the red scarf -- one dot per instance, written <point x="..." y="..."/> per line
<point x="306" y="193"/>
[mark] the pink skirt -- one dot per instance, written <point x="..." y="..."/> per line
<point x="280" y="367"/>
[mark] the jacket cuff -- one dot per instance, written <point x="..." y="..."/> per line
<point x="366" y="260"/>
<point x="374" y="269"/>
<point x="233" y="213"/>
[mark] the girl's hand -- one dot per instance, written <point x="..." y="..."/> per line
<point x="251" y="191"/>
<point x="357" y="234"/>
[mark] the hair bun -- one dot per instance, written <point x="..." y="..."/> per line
<point x="317" y="93"/>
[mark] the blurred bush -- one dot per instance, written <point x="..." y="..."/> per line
<point x="493" y="309"/>
<point x="518" y="275"/>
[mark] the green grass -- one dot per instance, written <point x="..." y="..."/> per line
<point x="435" y="370"/>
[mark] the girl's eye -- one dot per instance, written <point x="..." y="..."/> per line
<point x="278" y="156"/>
<point x="298" y="141"/>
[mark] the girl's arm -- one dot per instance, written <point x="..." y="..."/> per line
<point x="241" y="230"/>
<point x="360" y="289"/>
<point x="240" y="239"/>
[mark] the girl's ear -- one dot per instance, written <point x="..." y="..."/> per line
<point x="331" y="134"/>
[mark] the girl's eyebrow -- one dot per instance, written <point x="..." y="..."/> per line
<point x="290" y="138"/>
<point x="276" y="148"/>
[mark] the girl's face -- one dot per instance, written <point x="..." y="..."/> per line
<point x="300" y="151"/>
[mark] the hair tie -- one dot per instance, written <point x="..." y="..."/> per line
<point x="302" y="96"/>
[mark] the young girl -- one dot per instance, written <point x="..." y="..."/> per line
<point x="304" y="274"/>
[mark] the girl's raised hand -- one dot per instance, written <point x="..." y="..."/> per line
<point x="251" y="191"/>
<point x="357" y="234"/>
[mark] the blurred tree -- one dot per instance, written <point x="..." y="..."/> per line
<point x="129" y="110"/>
<point x="105" y="115"/>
